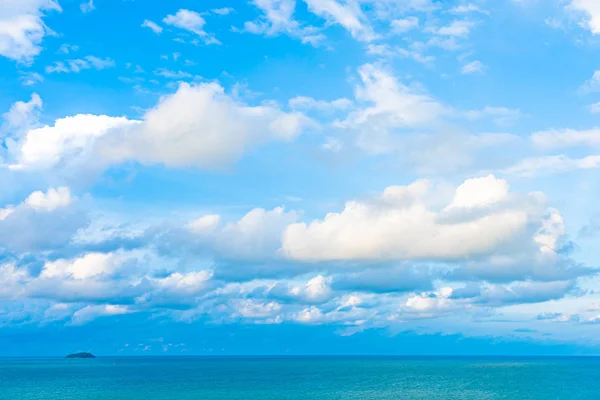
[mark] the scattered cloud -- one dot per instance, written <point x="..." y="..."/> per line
<point x="474" y="67"/>
<point x="87" y="7"/>
<point x="458" y="28"/>
<point x="278" y="18"/>
<point x="223" y="11"/>
<point x="193" y="22"/>
<point x="80" y="64"/>
<point x="399" y="26"/>
<point x="347" y="14"/>
<point x="66" y="48"/>
<point x="592" y="85"/>
<point x="152" y="26"/>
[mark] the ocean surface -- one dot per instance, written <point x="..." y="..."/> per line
<point x="182" y="378"/>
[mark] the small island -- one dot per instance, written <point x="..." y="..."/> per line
<point x="81" y="355"/>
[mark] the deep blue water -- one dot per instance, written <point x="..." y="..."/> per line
<point x="182" y="378"/>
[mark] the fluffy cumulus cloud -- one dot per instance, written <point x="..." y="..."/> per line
<point x="197" y="126"/>
<point x="69" y="141"/>
<point x="482" y="218"/>
<point x="22" y="28"/>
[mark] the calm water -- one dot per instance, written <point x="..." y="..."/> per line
<point x="300" y="378"/>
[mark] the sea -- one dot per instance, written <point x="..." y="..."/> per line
<point x="184" y="378"/>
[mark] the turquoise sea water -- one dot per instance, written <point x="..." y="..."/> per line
<point x="183" y="378"/>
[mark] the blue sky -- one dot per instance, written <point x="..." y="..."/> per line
<point x="311" y="176"/>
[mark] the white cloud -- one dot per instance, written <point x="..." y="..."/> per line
<point x="85" y="267"/>
<point x="172" y="74"/>
<point x="212" y="129"/>
<point x="191" y="21"/>
<point x="278" y="17"/>
<point x="399" y="224"/>
<point x="31" y="78"/>
<point x="11" y="281"/>
<point x="42" y="221"/>
<point x="499" y="115"/>
<point x="479" y="192"/>
<point x="385" y="50"/>
<point x="592" y="85"/>
<point x="87" y="7"/>
<point x="257" y="235"/>
<point x="205" y="224"/>
<point x="594" y="108"/>
<point x="459" y="28"/>
<point x="467" y="8"/>
<point x="77" y="65"/>
<point x="184" y="284"/>
<point x="392" y="100"/>
<point x="22" y="115"/>
<point x="89" y="313"/>
<point x="43" y="202"/>
<point x="474" y="67"/>
<point x="555" y="139"/>
<point x="253" y="309"/>
<point x="385" y="104"/>
<point x="70" y="139"/>
<point x="532" y="167"/>
<point x="316" y="290"/>
<point x="404" y="25"/>
<point x="428" y="302"/>
<point x="22" y="28"/>
<point x="308" y="103"/>
<point x="66" y="48"/>
<point x="591" y="10"/>
<point x="332" y="144"/>
<point x="223" y="10"/>
<point x="346" y="13"/>
<point x="51" y="200"/>
<point x="152" y="25"/>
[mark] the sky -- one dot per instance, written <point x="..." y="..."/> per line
<point x="299" y="177"/>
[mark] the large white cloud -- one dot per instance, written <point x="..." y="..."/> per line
<point x="400" y="224"/>
<point x="198" y="125"/>
<point x="22" y="28"/>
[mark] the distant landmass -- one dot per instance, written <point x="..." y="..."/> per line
<point x="81" y="355"/>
